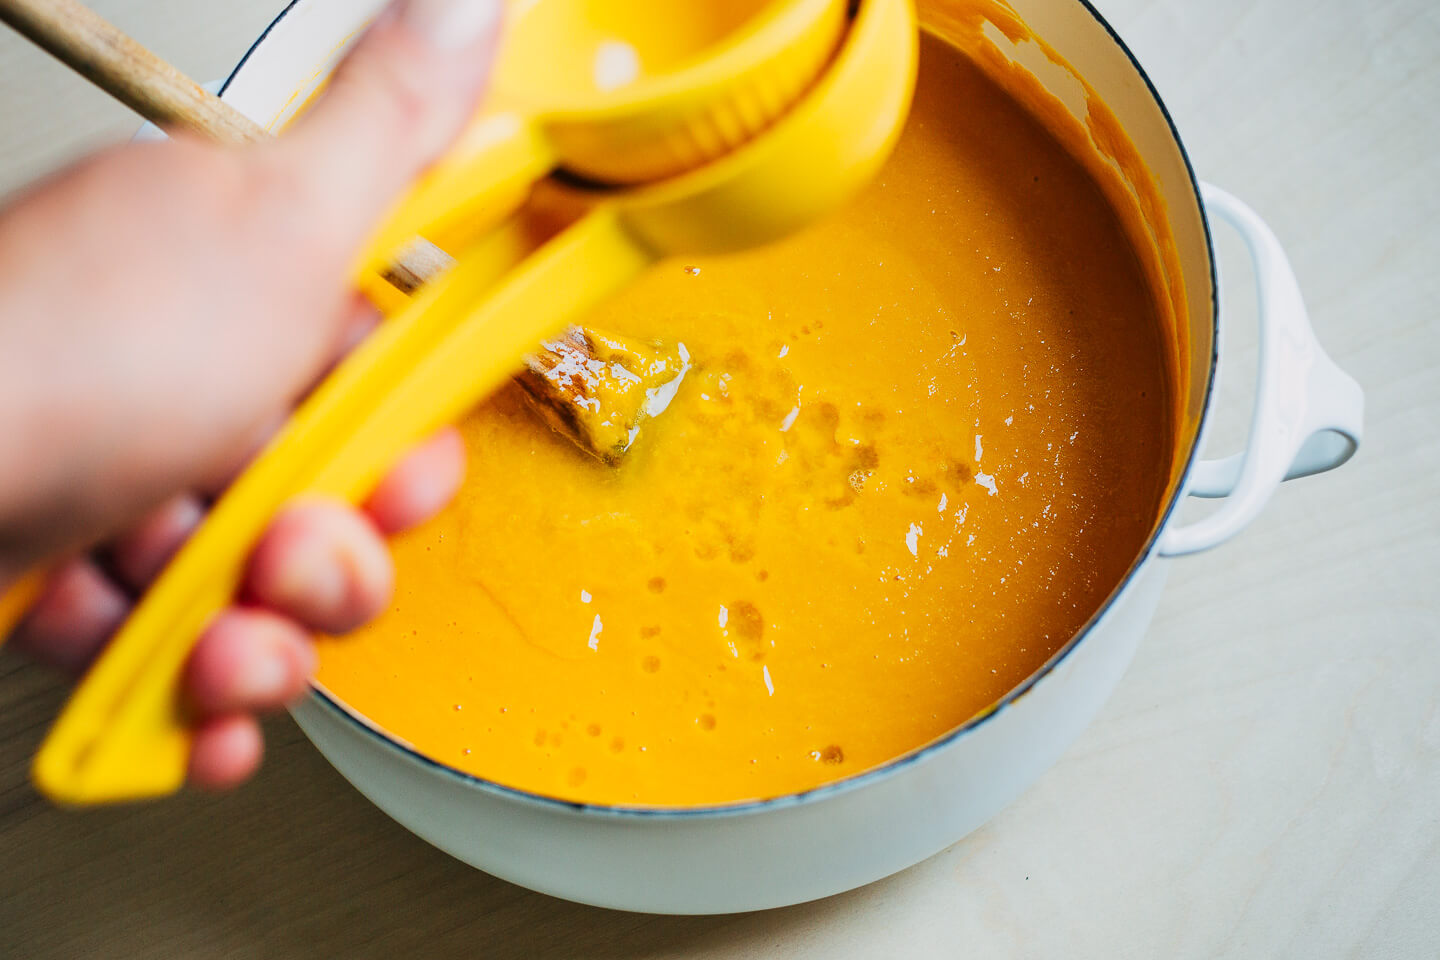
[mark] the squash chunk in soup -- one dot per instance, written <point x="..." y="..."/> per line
<point x="917" y="447"/>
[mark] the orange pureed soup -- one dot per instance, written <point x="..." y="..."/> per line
<point x="919" y="445"/>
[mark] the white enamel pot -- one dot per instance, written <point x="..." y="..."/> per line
<point x="1307" y="419"/>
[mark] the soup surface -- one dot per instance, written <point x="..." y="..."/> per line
<point x="917" y="447"/>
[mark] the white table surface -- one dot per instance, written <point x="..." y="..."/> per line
<point x="1266" y="782"/>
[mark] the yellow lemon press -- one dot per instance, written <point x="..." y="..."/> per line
<point x="125" y="733"/>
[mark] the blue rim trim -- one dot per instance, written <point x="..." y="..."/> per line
<point x="855" y="781"/>
<point x="256" y="46"/>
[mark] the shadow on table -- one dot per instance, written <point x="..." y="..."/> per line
<point x="296" y="864"/>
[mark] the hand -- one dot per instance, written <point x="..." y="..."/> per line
<point x="162" y="307"/>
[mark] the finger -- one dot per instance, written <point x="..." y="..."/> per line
<point x="225" y="752"/>
<point x="78" y="611"/>
<point x="420" y="485"/>
<point x="248" y="660"/>
<point x="359" y="319"/>
<point x="139" y="555"/>
<point x="323" y="564"/>
<point x="234" y="464"/>
<point x="393" y="106"/>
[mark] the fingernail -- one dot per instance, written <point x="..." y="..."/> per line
<point x="265" y="676"/>
<point x="450" y="24"/>
<point x="314" y="579"/>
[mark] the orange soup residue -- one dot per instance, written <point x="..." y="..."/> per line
<point x="918" y="447"/>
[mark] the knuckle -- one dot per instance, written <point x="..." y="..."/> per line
<point x="389" y="89"/>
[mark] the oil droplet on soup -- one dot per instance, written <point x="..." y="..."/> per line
<point x="919" y="445"/>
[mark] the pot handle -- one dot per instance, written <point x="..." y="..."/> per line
<point x="1308" y="412"/>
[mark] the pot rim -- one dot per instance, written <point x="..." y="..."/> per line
<point x="920" y="753"/>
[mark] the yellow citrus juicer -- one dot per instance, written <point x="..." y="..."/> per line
<point x="125" y="733"/>
<point x="688" y="83"/>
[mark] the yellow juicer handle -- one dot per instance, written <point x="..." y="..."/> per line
<point x="479" y="182"/>
<point x="125" y="734"/>
<point x="17" y="598"/>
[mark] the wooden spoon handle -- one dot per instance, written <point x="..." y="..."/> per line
<point x="116" y="63"/>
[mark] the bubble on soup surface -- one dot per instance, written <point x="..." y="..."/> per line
<point x="747" y="625"/>
<point x="741" y="551"/>
<point x="958" y="472"/>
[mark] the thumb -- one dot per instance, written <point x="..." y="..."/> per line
<point x="392" y="107"/>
